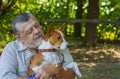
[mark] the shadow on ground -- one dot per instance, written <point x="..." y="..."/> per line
<point x="98" y="63"/>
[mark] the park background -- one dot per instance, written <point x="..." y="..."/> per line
<point x="92" y="29"/>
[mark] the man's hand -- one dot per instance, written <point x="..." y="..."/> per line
<point x="47" y="71"/>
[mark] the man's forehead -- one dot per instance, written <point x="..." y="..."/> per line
<point x="32" y="21"/>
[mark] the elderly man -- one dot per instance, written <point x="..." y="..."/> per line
<point x="16" y="54"/>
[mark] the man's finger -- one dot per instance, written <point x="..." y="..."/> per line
<point x="41" y="77"/>
<point x="38" y="75"/>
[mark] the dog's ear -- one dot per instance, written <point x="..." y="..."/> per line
<point x="61" y="28"/>
<point x="50" y="29"/>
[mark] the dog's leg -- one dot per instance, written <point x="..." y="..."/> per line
<point x="30" y="72"/>
<point x="35" y="60"/>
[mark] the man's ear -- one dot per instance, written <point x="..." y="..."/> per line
<point x="61" y="28"/>
<point x="18" y="38"/>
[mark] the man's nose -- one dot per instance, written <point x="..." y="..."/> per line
<point x="36" y="30"/>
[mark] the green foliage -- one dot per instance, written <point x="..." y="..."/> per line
<point x="60" y="9"/>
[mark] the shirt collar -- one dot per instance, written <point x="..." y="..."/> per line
<point x="21" y="46"/>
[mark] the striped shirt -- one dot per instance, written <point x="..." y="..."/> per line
<point x="15" y="60"/>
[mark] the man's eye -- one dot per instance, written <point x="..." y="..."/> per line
<point x="36" y="26"/>
<point x="29" y="32"/>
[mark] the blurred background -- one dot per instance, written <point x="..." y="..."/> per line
<point x="92" y="29"/>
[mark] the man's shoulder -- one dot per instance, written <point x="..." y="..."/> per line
<point x="12" y="43"/>
<point x="16" y="45"/>
<point x="10" y="47"/>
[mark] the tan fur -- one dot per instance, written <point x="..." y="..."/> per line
<point x="55" y="39"/>
<point x="36" y="60"/>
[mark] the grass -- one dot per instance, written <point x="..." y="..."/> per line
<point x="101" y="62"/>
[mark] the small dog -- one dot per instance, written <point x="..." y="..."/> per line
<point x="51" y="51"/>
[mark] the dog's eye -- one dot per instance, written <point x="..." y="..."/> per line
<point x="59" y="37"/>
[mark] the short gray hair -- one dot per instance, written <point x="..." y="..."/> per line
<point x="21" y="18"/>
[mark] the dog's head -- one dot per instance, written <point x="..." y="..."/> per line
<point x="56" y="37"/>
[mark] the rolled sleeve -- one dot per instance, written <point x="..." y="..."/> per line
<point x="69" y="63"/>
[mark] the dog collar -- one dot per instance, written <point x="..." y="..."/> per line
<point x="52" y="50"/>
<point x="47" y="50"/>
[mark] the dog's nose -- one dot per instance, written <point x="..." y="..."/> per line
<point x="68" y="46"/>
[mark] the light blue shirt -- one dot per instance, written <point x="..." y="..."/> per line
<point x="15" y="60"/>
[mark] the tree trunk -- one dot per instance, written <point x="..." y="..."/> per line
<point x="91" y="28"/>
<point x="77" y="26"/>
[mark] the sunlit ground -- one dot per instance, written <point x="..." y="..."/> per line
<point x="101" y="62"/>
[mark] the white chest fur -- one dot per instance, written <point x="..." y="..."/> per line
<point x="48" y="57"/>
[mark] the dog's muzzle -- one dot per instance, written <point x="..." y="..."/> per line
<point x="64" y="45"/>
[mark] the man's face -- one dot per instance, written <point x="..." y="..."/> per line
<point x="31" y="34"/>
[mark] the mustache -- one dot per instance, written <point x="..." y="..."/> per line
<point x="40" y="35"/>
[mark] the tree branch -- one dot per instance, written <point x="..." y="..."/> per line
<point x="3" y="10"/>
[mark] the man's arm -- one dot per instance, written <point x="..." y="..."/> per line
<point x="51" y="70"/>
<point x="8" y="63"/>
<point x="65" y="73"/>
